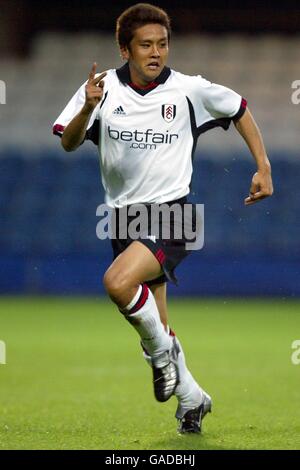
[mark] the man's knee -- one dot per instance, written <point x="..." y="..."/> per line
<point x="117" y="285"/>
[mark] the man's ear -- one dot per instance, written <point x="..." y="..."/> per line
<point x="124" y="53"/>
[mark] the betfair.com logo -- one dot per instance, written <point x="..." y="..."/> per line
<point x="2" y="352"/>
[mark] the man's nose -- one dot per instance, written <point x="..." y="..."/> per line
<point x="155" y="51"/>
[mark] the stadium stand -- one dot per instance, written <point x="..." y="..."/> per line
<point x="48" y="198"/>
<point x="261" y="69"/>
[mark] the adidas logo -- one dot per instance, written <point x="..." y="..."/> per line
<point x="119" y="111"/>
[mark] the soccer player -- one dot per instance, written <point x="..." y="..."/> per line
<point x="145" y="119"/>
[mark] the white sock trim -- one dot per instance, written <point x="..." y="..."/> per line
<point x="135" y="299"/>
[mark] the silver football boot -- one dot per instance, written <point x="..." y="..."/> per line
<point x="165" y="373"/>
<point x="191" y="421"/>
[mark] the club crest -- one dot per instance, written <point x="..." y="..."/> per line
<point x="168" y="112"/>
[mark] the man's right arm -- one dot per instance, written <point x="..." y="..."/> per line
<point x="74" y="133"/>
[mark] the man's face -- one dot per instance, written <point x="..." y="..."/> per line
<point x="148" y="53"/>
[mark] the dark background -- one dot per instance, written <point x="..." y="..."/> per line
<point x="21" y="20"/>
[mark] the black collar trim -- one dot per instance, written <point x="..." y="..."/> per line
<point x="124" y="76"/>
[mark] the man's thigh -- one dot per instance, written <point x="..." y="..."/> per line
<point x="137" y="263"/>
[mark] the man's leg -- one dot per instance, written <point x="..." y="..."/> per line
<point x="125" y="284"/>
<point x="160" y="294"/>
<point x="189" y="394"/>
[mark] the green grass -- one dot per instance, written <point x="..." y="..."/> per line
<point x="75" y="377"/>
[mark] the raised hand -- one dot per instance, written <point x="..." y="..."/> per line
<point x="94" y="89"/>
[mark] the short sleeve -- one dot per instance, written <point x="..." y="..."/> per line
<point x="221" y="102"/>
<point x="214" y="105"/>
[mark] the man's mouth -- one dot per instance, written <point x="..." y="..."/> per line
<point x="153" y="65"/>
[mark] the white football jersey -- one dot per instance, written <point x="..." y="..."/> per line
<point x="146" y="137"/>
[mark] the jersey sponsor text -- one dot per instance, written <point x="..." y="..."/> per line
<point x="140" y="139"/>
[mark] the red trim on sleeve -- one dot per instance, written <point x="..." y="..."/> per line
<point x="244" y="103"/>
<point x="241" y="111"/>
<point x="58" y="129"/>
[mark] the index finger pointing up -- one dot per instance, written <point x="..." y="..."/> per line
<point x="93" y="71"/>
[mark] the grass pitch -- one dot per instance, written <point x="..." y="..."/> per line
<point x="75" y="377"/>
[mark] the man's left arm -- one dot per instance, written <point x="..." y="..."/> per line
<point x="261" y="185"/>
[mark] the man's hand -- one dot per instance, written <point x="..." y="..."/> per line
<point x="261" y="187"/>
<point x="74" y="133"/>
<point x="93" y="89"/>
